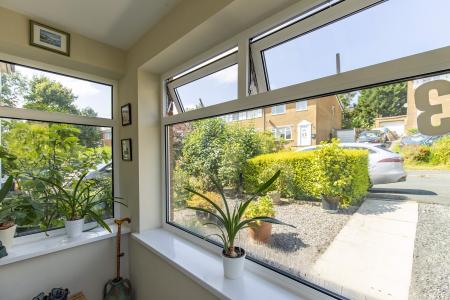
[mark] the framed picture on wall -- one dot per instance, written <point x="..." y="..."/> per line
<point x="49" y="38"/>
<point x="126" y="149"/>
<point x="125" y="111"/>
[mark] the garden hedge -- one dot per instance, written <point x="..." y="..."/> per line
<point x="299" y="174"/>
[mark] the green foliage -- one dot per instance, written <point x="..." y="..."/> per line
<point x="416" y="153"/>
<point x="440" y="151"/>
<point x="7" y="208"/>
<point x="231" y="221"/>
<point x="197" y="201"/>
<point x="382" y="101"/>
<point x="262" y="207"/>
<point x="78" y="198"/>
<point x="341" y="173"/>
<point x="12" y="87"/>
<point x="305" y="173"/>
<point x="218" y="149"/>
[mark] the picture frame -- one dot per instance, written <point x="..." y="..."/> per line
<point x="125" y="145"/>
<point x="125" y="112"/>
<point x="49" y="38"/>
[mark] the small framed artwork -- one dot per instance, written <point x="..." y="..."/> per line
<point x="49" y="38"/>
<point x="126" y="149"/>
<point x="125" y="111"/>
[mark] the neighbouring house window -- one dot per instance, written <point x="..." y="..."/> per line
<point x="301" y="105"/>
<point x="282" y="132"/>
<point x="49" y="148"/>
<point x="278" y="109"/>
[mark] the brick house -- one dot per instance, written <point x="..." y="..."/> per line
<point x="301" y="123"/>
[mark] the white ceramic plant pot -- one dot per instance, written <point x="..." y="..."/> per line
<point x="74" y="228"/>
<point x="233" y="267"/>
<point x="7" y="236"/>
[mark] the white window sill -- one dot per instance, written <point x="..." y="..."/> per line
<point x="205" y="268"/>
<point x="37" y="244"/>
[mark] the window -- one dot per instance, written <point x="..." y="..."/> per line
<point x="213" y="148"/>
<point x="319" y="46"/>
<point x="25" y="87"/>
<point x="407" y="98"/>
<point x="283" y="132"/>
<point x="206" y="85"/>
<point x="301" y="105"/>
<point x="279" y="109"/>
<point x="36" y="145"/>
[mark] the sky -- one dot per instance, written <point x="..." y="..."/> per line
<point x="89" y="94"/>
<point x="388" y="31"/>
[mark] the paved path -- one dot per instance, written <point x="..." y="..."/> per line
<point x="372" y="256"/>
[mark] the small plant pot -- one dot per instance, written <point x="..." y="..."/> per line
<point x="276" y="197"/>
<point x="330" y="204"/>
<point x="7" y="236"/>
<point x="74" y="228"/>
<point x="233" y="267"/>
<point x="260" y="232"/>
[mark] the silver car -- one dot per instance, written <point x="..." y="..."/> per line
<point x="384" y="166"/>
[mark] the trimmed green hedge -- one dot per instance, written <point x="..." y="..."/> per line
<point x="300" y="173"/>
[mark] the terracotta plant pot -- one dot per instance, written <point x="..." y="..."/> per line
<point x="261" y="232"/>
<point x="7" y="236"/>
<point x="233" y="267"/>
<point x="330" y="204"/>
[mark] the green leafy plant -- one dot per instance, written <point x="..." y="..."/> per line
<point x="231" y="221"/>
<point x="262" y="207"/>
<point x="198" y="201"/>
<point x="7" y="208"/>
<point x="80" y="198"/>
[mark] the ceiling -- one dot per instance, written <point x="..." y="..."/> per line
<point x="119" y="23"/>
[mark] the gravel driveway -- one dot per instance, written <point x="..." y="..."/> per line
<point x="291" y="249"/>
<point x="430" y="277"/>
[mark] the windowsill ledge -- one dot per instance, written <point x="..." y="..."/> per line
<point x="205" y="268"/>
<point x="27" y="249"/>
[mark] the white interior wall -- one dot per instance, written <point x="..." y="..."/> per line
<point x="84" y="268"/>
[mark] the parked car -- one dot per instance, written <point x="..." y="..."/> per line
<point x="419" y="139"/>
<point x="373" y="136"/>
<point x="384" y="166"/>
<point x="100" y="171"/>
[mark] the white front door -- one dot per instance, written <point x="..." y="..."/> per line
<point x="304" y="133"/>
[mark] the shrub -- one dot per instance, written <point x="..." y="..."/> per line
<point x="262" y="207"/>
<point x="300" y="174"/>
<point x="197" y="201"/>
<point x="440" y="151"/>
<point x="416" y="153"/>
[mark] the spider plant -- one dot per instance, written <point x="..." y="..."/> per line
<point x="7" y="207"/>
<point x="78" y="199"/>
<point x="231" y="221"/>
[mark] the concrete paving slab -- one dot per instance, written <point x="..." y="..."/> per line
<point x="372" y="256"/>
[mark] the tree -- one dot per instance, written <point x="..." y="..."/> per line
<point x="12" y="88"/>
<point x="383" y="101"/>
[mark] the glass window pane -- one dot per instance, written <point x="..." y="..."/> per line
<point x="25" y="87"/>
<point x="60" y="153"/>
<point x="212" y="89"/>
<point x="358" y="39"/>
<point x="379" y="147"/>
<point x="301" y="105"/>
<point x="278" y="109"/>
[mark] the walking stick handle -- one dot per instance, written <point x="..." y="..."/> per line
<point x="121" y="221"/>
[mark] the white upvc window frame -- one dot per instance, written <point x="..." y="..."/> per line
<point x="301" y="108"/>
<point x="197" y="73"/>
<point x="58" y="117"/>
<point x="313" y="22"/>
<point x="405" y="68"/>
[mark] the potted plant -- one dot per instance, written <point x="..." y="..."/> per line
<point x="276" y="197"/>
<point x="332" y="177"/>
<point x="230" y="221"/>
<point x="78" y="199"/>
<point x="7" y="209"/>
<point x="260" y="231"/>
<point x="197" y="201"/>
